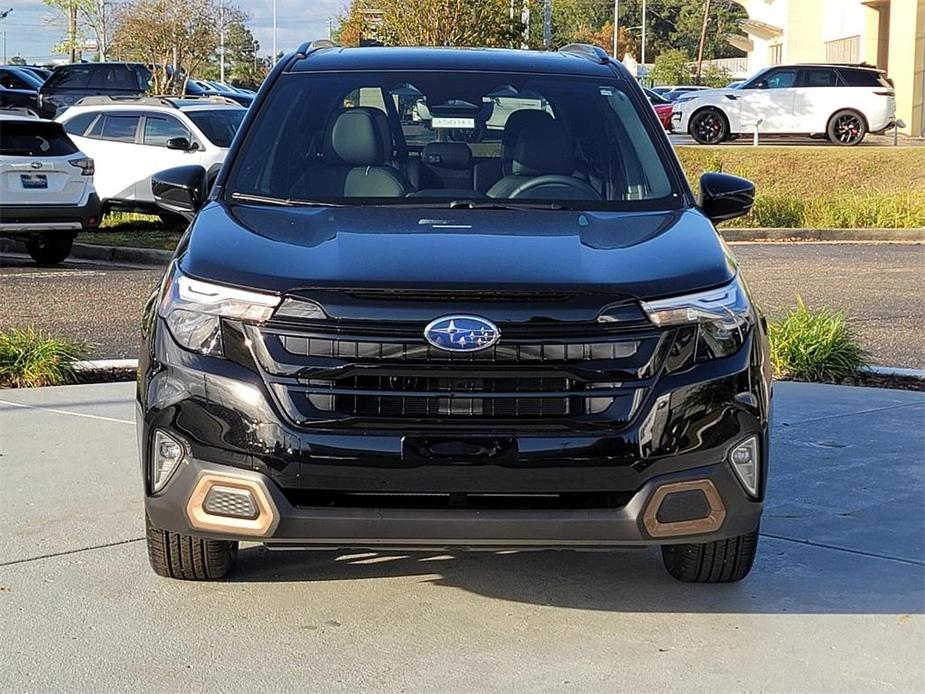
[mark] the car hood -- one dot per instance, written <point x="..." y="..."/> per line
<point x="639" y="254"/>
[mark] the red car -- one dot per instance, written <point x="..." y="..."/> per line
<point x="662" y="108"/>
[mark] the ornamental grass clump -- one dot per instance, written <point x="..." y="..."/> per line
<point x="818" y="345"/>
<point x="31" y="359"/>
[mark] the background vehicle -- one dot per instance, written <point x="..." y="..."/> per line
<point x="16" y="77"/>
<point x="43" y="73"/>
<point x="69" y="84"/>
<point x="662" y="108"/>
<point x="47" y="186"/>
<point x="23" y="99"/>
<point x="379" y="332"/>
<point x="844" y="102"/>
<point x="131" y="139"/>
<point x="676" y="93"/>
<point x="211" y="88"/>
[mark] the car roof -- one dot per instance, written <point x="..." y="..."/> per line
<point x="168" y="104"/>
<point x="838" y="66"/>
<point x="375" y="58"/>
<point x="24" y="118"/>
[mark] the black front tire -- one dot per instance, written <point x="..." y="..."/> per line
<point x="846" y="128"/>
<point x="720" y="561"/>
<point x="49" y="249"/>
<point x="189" y="558"/>
<point x="709" y="126"/>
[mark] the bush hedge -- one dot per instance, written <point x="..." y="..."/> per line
<point x="30" y="359"/>
<point x="821" y="187"/>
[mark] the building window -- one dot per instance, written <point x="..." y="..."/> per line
<point x="776" y="54"/>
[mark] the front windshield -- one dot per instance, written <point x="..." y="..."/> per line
<point x="218" y="124"/>
<point x="450" y="138"/>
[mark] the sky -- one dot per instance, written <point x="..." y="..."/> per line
<point x="32" y="29"/>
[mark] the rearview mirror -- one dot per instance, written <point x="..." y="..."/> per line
<point x="723" y="196"/>
<point x="181" y="190"/>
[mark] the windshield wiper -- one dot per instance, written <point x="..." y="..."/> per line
<point x="284" y="202"/>
<point x="494" y="205"/>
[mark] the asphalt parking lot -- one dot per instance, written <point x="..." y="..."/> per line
<point x="880" y="285"/>
<point x="834" y="603"/>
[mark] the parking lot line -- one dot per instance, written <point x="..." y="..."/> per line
<point x="73" y="414"/>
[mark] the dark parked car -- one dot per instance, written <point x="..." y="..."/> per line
<point x="68" y="84"/>
<point x="204" y="88"/>
<point x="504" y="322"/>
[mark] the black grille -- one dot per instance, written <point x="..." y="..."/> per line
<point x="422" y="352"/>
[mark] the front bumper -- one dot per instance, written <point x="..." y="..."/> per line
<point x="32" y="219"/>
<point x="179" y="509"/>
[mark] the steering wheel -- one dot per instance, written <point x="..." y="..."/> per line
<point x="555" y="186"/>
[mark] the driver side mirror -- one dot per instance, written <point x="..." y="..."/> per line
<point x="723" y="196"/>
<point x="760" y="84"/>
<point x="181" y="143"/>
<point x="181" y="190"/>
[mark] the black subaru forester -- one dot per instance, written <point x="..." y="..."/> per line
<point x="452" y="298"/>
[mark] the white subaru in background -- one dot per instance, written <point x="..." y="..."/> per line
<point x="46" y="187"/>
<point x="843" y="102"/>
<point x="132" y="138"/>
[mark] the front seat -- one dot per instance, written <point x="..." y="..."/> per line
<point x="542" y="165"/>
<point x="360" y="142"/>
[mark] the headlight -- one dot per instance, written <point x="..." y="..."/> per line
<point x="722" y="317"/>
<point x="193" y="310"/>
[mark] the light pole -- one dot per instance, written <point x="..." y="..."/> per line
<point x="273" y="60"/>
<point x="3" y="15"/>
<point x="221" y="42"/>
<point x="643" y="47"/>
<point x="616" y="24"/>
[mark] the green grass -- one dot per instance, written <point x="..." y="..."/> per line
<point x="30" y="359"/>
<point x="135" y="230"/>
<point x="819" y="345"/>
<point x="822" y="187"/>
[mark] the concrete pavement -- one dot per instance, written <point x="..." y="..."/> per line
<point x="835" y="602"/>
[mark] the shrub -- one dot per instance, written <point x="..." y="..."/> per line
<point x="31" y="359"/>
<point x="814" y="345"/>
<point x="671" y="67"/>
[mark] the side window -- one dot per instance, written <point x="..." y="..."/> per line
<point x="115" y="127"/>
<point x="78" y="125"/>
<point x="819" y="78"/>
<point x="159" y="129"/>
<point x="863" y="78"/>
<point x="782" y="79"/>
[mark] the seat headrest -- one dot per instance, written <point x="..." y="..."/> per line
<point x="514" y="125"/>
<point x="447" y="155"/>
<point x="544" y="147"/>
<point x="357" y="137"/>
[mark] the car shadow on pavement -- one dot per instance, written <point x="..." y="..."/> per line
<point x="788" y="578"/>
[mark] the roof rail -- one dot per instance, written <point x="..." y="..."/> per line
<point x="586" y="50"/>
<point x="309" y="47"/>
<point x="107" y="99"/>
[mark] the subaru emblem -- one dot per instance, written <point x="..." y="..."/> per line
<point x="36" y="165"/>
<point x="462" y="333"/>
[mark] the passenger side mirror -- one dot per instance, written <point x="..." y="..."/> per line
<point x="181" y="190"/>
<point x="723" y="196"/>
<point x="760" y="84"/>
<point x="179" y="143"/>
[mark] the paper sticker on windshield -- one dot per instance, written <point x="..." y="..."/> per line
<point x="444" y="122"/>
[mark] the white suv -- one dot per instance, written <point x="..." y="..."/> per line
<point x="131" y="138"/>
<point x="843" y="102"/>
<point x="46" y="187"/>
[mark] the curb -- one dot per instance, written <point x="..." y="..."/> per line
<point x="105" y="365"/>
<point x="109" y="254"/>
<point x="895" y="371"/>
<point x="831" y="235"/>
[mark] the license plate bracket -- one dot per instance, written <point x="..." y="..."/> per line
<point x="459" y="450"/>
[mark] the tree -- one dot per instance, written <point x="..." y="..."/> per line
<point x="671" y="67"/>
<point x="93" y="21"/>
<point x="183" y="34"/>
<point x="431" y="23"/>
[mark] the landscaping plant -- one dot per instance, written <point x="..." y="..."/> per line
<point x="814" y="345"/>
<point x="30" y="359"/>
